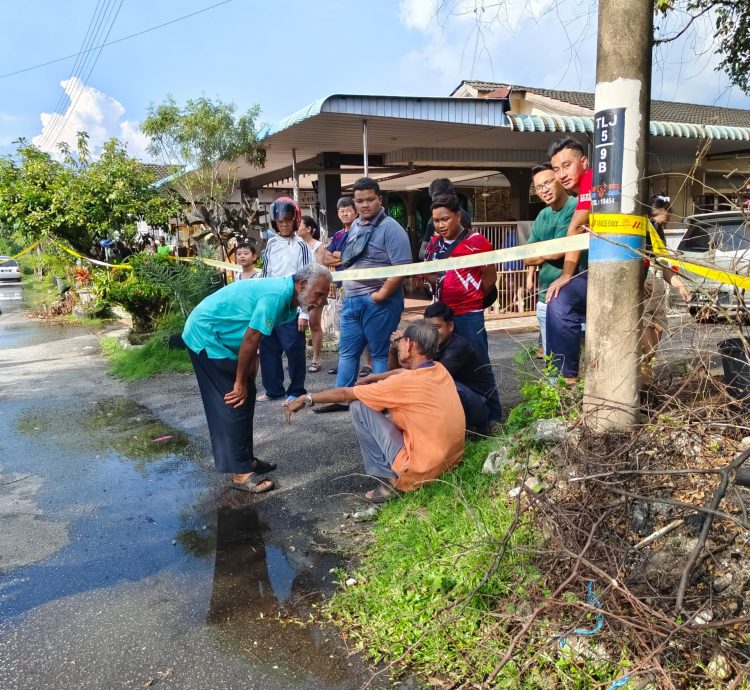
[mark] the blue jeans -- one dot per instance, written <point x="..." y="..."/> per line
<point x="471" y="327"/>
<point x="364" y="323"/>
<point x="285" y="338"/>
<point x="566" y="314"/>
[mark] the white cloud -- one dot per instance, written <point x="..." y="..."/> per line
<point x="94" y="112"/>
<point x="417" y="14"/>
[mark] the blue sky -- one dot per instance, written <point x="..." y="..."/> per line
<point x="283" y="55"/>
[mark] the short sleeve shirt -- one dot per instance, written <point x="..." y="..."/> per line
<point x="424" y="405"/>
<point x="461" y="289"/>
<point x="584" y="191"/>
<point x="337" y="243"/>
<point x="550" y="225"/>
<point x="218" y="324"/>
<point x="388" y="246"/>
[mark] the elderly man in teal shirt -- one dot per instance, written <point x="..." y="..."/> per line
<point x="222" y="335"/>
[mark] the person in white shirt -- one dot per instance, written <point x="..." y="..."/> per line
<point x="285" y="255"/>
<point x="310" y="232"/>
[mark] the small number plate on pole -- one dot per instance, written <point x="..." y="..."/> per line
<point x="609" y="135"/>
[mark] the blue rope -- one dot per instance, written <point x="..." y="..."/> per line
<point x="593" y="600"/>
<point x="619" y="683"/>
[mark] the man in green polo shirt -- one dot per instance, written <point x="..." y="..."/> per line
<point x="222" y="335"/>
<point x="551" y="223"/>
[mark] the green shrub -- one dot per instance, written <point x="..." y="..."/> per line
<point x="185" y="283"/>
<point x="145" y="302"/>
<point x="545" y="395"/>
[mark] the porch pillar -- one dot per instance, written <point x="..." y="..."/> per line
<point x="520" y="183"/>
<point x="329" y="192"/>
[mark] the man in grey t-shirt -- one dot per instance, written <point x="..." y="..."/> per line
<point x="372" y="308"/>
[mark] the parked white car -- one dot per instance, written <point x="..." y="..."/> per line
<point x="9" y="269"/>
<point x="722" y="240"/>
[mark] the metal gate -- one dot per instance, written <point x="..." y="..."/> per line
<point x="513" y="298"/>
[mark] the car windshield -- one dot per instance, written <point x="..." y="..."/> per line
<point x="5" y="263"/>
<point x="721" y="234"/>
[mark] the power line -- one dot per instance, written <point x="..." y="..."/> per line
<point x="91" y="37"/>
<point x="111" y="43"/>
<point x="74" y="101"/>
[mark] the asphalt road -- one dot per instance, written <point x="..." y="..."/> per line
<point x="126" y="562"/>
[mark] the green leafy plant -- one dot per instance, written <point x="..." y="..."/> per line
<point x="144" y="301"/>
<point x="544" y="396"/>
<point x="185" y="283"/>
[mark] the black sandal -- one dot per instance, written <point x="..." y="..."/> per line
<point x="259" y="467"/>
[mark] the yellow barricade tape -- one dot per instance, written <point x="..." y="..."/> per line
<point x="21" y="253"/>
<point x="72" y="252"/>
<point x="623" y="223"/>
<point x="712" y="273"/>
<point x="618" y="223"/>
<point x="498" y="256"/>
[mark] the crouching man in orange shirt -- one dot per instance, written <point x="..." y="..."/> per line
<point x="424" y="436"/>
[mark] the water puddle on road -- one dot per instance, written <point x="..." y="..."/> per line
<point x="270" y="573"/>
<point x="114" y="425"/>
<point x="147" y="505"/>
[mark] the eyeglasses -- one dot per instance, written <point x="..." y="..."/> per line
<point x="545" y="186"/>
<point x="394" y="341"/>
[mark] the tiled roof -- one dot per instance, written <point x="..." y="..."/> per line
<point x="160" y="171"/>
<point x="585" y="124"/>
<point x="665" y="111"/>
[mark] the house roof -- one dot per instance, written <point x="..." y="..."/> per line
<point x="585" y="124"/>
<point x="664" y="111"/>
<point x="474" y="111"/>
<point x="160" y="171"/>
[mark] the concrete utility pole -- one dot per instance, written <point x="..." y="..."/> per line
<point x="618" y="221"/>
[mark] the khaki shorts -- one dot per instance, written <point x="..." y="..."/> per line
<point x="655" y="303"/>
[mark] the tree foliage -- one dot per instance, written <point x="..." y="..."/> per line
<point x="79" y="200"/>
<point x="731" y="23"/>
<point x="208" y="141"/>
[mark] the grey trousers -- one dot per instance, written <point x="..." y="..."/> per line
<point x="379" y="439"/>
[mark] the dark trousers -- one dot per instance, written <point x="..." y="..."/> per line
<point x="286" y="338"/>
<point x="471" y="327"/>
<point x="476" y="410"/>
<point x="565" y="314"/>
<point x="230" y="428"/>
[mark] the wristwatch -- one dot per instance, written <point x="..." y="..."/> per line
<point x="308" y="400"/>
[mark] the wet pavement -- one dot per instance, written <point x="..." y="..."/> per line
<point x="125" y="562"/>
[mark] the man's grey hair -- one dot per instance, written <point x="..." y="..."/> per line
<point x="425" y="335"/>
<point x="311" y="273"/>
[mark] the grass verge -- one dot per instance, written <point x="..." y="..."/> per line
<point x="429" y="584"/>
<point x="154" y="357"/>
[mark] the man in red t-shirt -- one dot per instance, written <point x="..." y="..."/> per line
<point x="566" y="296"/>
<point x="463" y="289"/>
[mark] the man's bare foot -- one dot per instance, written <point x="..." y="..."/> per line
<point x="241" y="478"/>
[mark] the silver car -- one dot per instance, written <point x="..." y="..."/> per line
<point x="720" y="240"/>
<point x="9" y="269"/>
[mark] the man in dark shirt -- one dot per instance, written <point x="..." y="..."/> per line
<point x="475" y="382"/>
